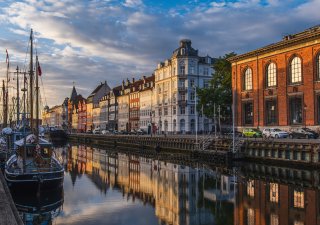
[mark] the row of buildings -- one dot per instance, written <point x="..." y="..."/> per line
<point x="164" y="102"/>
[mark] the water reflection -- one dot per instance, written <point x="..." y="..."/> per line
<point x="39" y="208"/>
<point x="115" y="188"/>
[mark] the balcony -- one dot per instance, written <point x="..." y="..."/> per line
<point x="183" y="76"/>
<point x="182" y="102"/>
<point x="182" y="89"/>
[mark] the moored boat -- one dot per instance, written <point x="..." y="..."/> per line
<point x="34" y="166"/>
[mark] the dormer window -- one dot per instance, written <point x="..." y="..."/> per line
<point x="183" y="51"/>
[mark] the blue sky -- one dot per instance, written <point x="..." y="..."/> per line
<point x="87" y="42"/>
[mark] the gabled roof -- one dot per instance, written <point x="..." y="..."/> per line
<point x="73" y="94"/>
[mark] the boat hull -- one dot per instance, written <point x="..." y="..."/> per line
<point x="35" y="181"/>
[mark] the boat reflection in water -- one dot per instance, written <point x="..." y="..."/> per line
<point x="39" y="208"/>
<point x="102" y="187"/>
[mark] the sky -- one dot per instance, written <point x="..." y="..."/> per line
<point x="87" y="42"/>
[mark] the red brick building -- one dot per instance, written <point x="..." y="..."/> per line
<point x="279" y="84"/>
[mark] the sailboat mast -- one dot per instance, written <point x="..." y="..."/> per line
<point x="31" y="81"/>
<point x="37" y="98"/>
<point x="18" y="98"/>
<point x="4" y="104"/>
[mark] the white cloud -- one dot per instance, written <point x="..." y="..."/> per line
<point x="89" y="42"/>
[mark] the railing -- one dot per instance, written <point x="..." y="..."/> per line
<point x="182" y="89"/>
<point x="182" y="102"/>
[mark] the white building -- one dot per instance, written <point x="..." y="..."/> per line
<point x="123" y="107"/>
<point x="146" y="98"/>
<point x="174" y="93"/>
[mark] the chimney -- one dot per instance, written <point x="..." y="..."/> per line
<point x="132" y="79"/>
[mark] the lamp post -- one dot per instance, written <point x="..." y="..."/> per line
<point x="305" y="114"/>
<point x="151" y="124"/>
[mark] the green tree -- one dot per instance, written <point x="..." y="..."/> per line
<point x="219" y="91"/>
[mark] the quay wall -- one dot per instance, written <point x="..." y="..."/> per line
<point x="8" y="211"/>
<point x="305" y="152"/>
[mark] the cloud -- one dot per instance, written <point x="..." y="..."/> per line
<point x="93" y="41"/>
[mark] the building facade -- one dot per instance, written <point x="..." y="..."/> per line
<point x="146" y="99"/>
<point x="123" y="110"/>
<point x="278" y="85"/>
<point x="176" y="81"/>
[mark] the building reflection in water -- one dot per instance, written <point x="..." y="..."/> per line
<point x="199" y="195"/>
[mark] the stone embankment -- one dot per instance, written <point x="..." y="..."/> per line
<point x="8" y="211"/>
<point x="221" y="149"/>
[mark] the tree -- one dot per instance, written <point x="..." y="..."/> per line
<point x="219" y="91"/>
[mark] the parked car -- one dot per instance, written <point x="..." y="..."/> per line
<point x="105" y="132"/>
<point x="251" y="132"/>
<point x="302" y="133"/>
<point x="141" y="132"/>
<point x="89" y="131"/>
<point x="123" y="132"/>
<point x="229" y="132"/>
<point x="274" y="133"/>
<point x="96" y="130"/>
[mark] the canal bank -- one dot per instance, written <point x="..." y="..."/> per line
<point x="8" y="211"/>
<point x="283" y="151"/>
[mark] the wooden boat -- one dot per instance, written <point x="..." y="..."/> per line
<point x="39" y="170"/>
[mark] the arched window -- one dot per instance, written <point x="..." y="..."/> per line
<point x="271" y="75"/>
<point x="247" y="79"/>
<point x="295" y="70"/>
<point x="318" y="66"/>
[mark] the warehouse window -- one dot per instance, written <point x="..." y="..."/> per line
<point x="247" y="82"/>
<point x="271" y="75"/>
<point x="295" y="70"/>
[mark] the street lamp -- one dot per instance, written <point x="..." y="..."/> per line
<point x="305" y="114"/>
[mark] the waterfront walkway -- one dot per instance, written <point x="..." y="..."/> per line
<point x="8" y="212"/>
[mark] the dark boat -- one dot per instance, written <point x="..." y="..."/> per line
<point x="40" y="169"/>
<point x="58" y="135"/>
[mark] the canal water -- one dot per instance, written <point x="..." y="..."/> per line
<point x="102" y="187"/>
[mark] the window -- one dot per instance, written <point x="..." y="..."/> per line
<point x="160" y="111"/>
<point x="248" y="113"/>
<point x="165" y="111"/>
<point x="205" y="71"/>
<point x="182" y="70"/>
<point x="271" y="112"/>
<point x="250" y="188"/>
<point x="247" y="79"/>
<point x="274" y="219"/>
<point x="192" y="96"/>
<point x="192" y="109"/>
<point x="174" y="110"/>
<point x="295" y="70"/>
<point x="206" y="83"/>
<point x="192" y="83"/>
<point x="250" y="216"/>
<point x="174" y="125"/>
<point x="271" y="75"/>
<point x="274" y="192"/>
<point x="295" y="110"/>
<point x="192" y="70"/>
<point x="182" y="110"/>
<point x="298" y="199"/>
